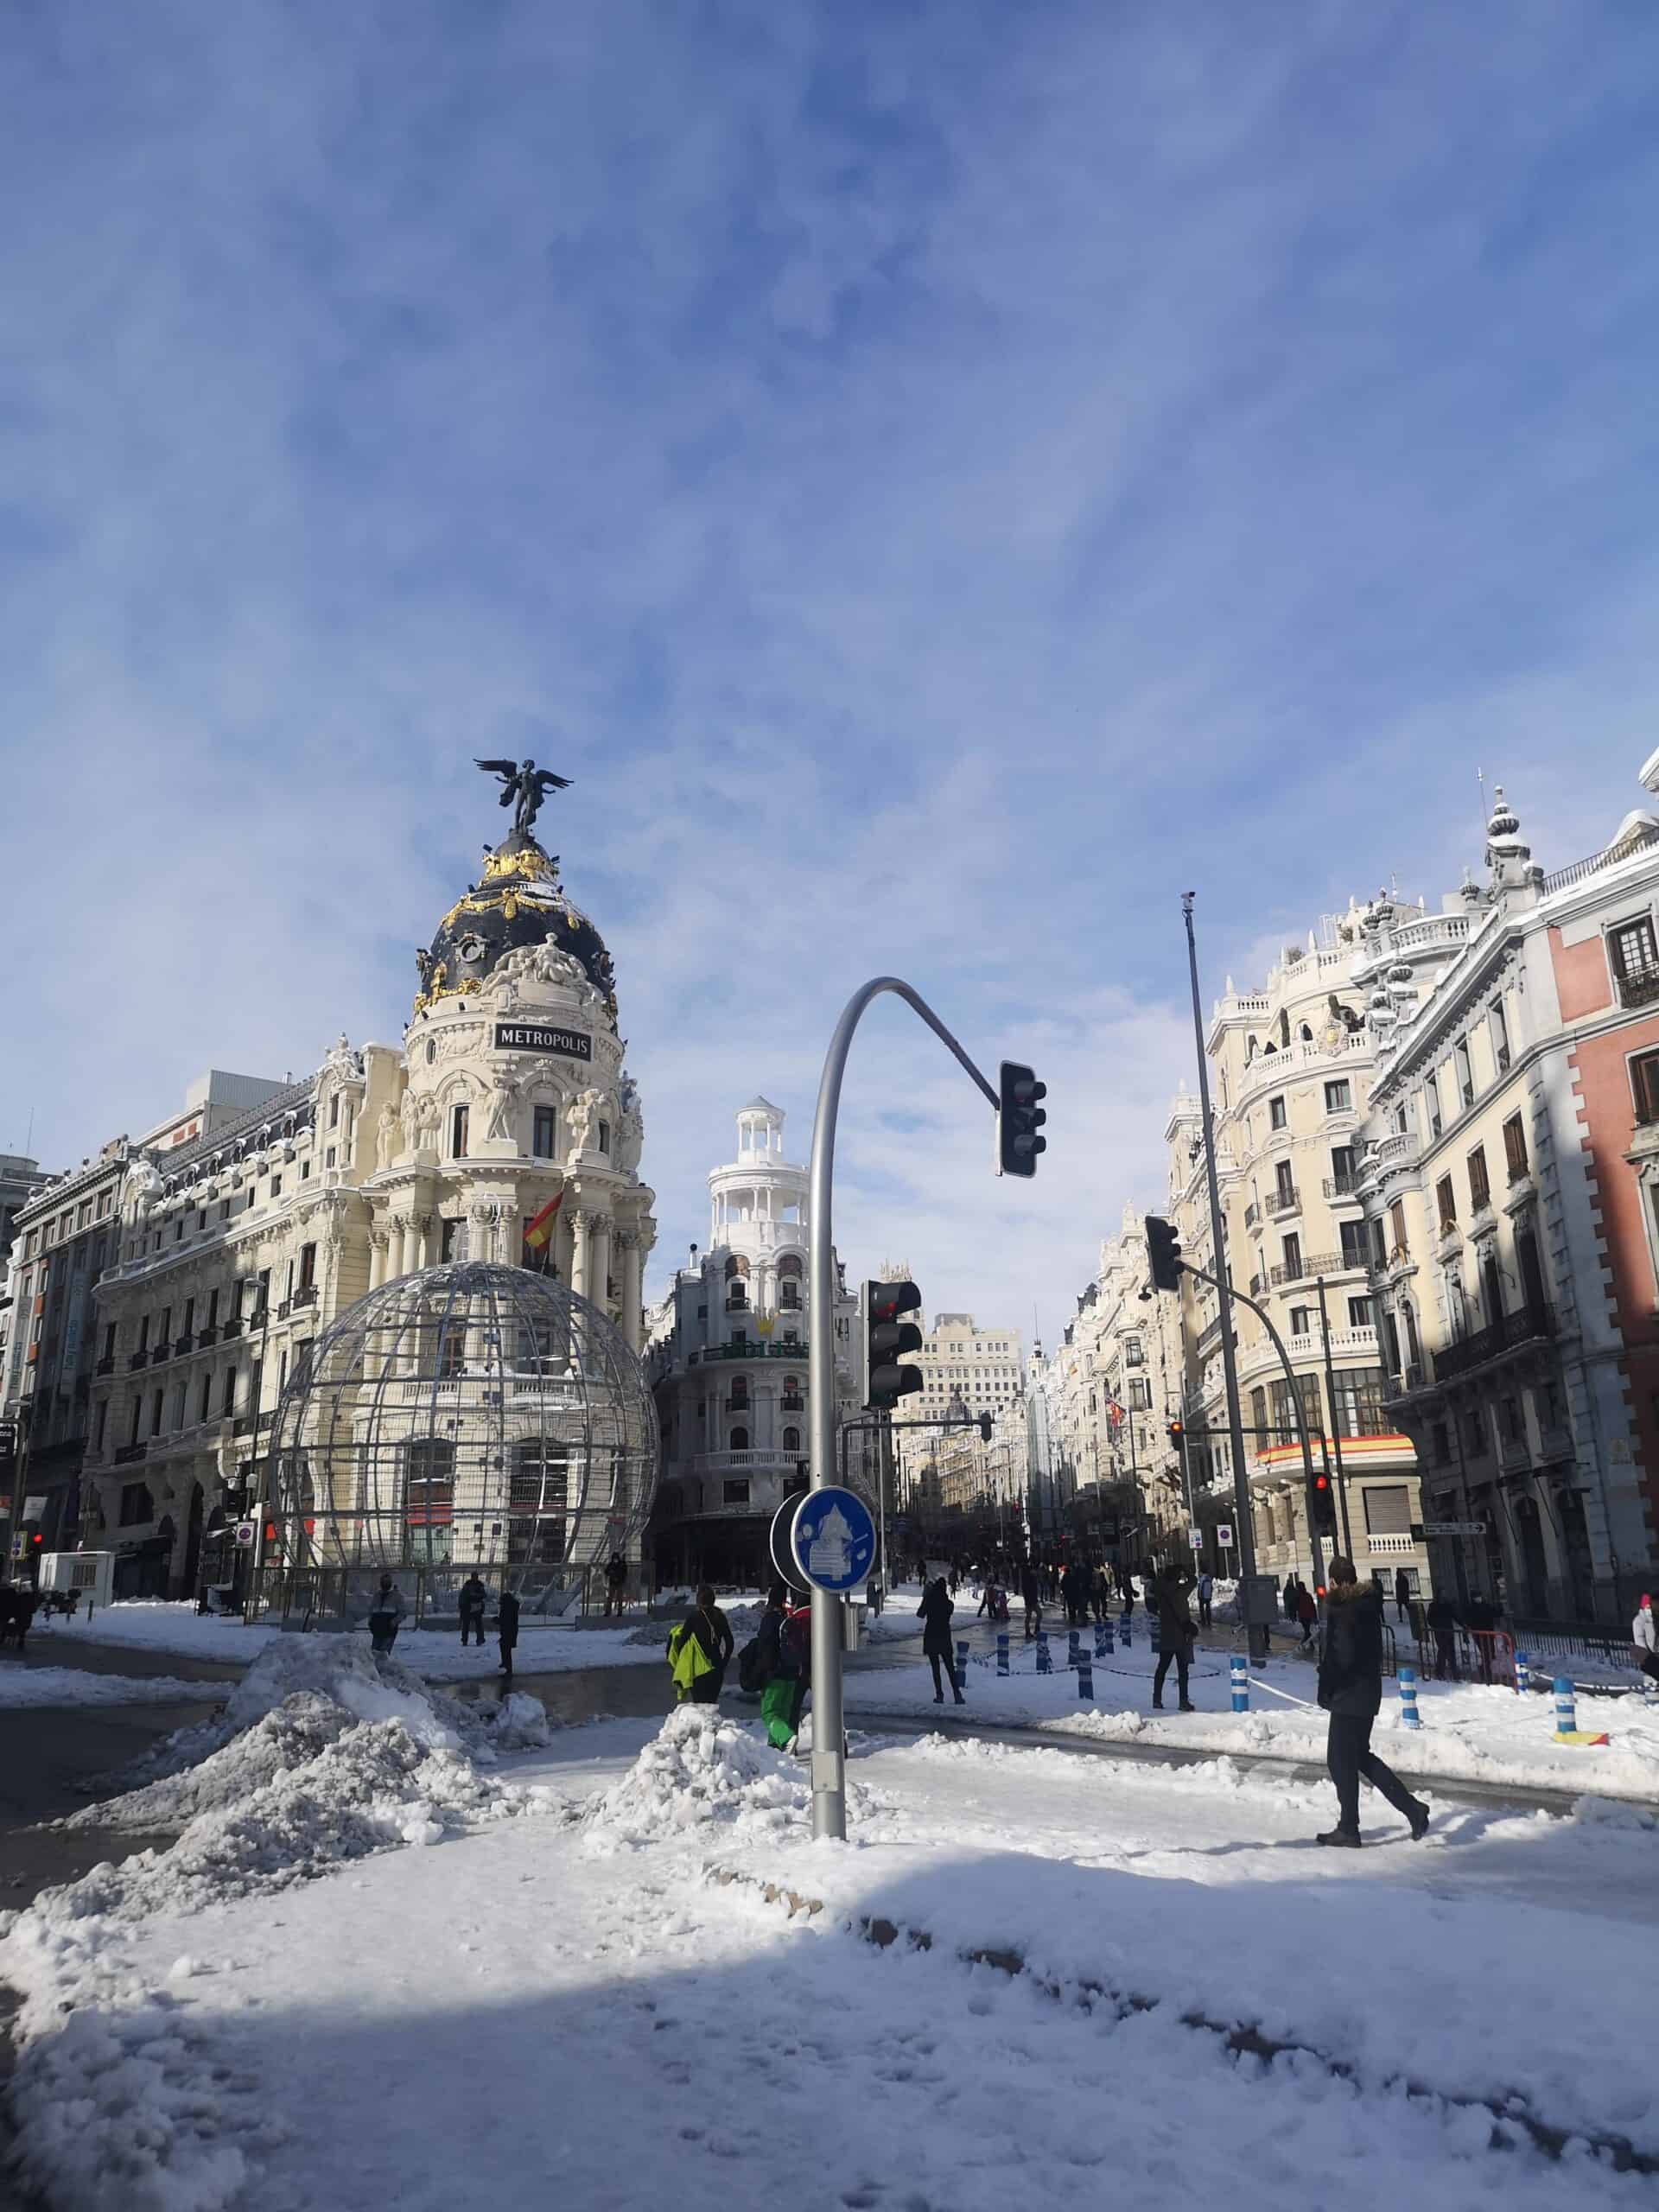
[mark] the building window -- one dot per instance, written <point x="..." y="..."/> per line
<point x="1359" y="1403"/>
<point x="155" y="1415"/>
<point x="545" y="1135"/>
<point x="1284" y="1185"/>
<point x="791" y="1439"/>
<point x="1338" y="1095"/>
<point x="189" y="1328"/>
<point x="1447" y="1202"/>
<point x="104" y="1201"/>
<point x="1514" y="1147"/>
<point x="1301" y="1320"/>
<point x="1464" y="1069"/>
<point x="109" y="1340"/>
<point x="449" y="1234"/>
<point x="1387" y="1509"/>
<point x="328" y="1157"/>
<point x="137" y="1506"/>
<point x="1636" y="963"/>
<point x="1475" y="1441"/>
<point x="1480" y="1189"/>
<point x="204" y="1404"/>
<point x="334" y="1111"/>
<point x="164" y="1329"/>
<point x="1397" y="1225"/>
<point x="1291" y="1257"/>
<point x="1432" y="1104"/>
<point x="1500" y="1031"/>
<point x="308" y="1266"/>
<point x="735" y="1493"/>
<point x="178" y="1230"/>
<point x="1361" y="1314"/>
<point x="738" y="1440"/>
<point x="227" y="1392"/>
<point x="1440" y="1441"/>
<point x="276" y="1189"/>
<point x="604" y="1146"/>
<point x="1644" y="1083"/>
<point x="1352" y="1234"/>
<point x="1341" y="1170"/>
<point x="1276" y="1116"/>
<point x="458" y="1133"/>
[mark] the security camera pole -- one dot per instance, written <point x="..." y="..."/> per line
<point x="1019" y="1119"/>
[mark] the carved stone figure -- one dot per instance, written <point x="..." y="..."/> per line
<point x="579" y="1119"/>
<point x="502" y="1101"/>
<point x="385" y="1137"/>
<point x="141" y="1188"/>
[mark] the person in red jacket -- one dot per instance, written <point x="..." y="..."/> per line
<point x="1306" y="1611"/>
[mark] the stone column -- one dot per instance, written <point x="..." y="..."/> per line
<point x="579" y="1253"/>
<point x="598" y="1263"/>
<point x="377" y="1258"/>
<point x="629" y="1240"/>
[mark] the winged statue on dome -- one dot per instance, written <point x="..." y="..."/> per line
<point x="523" y="782"/>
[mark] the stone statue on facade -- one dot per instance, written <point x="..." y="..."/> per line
<point x="579" y="1119"/>
<point x="385" y="1137"/>
<point x="141" y="1189"/>
<point x="523" y="782"/>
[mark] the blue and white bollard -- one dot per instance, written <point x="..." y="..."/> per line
<point x="1566" y="1710"/>
<point x="1045" y="1664"/>
<point x="1241" y="1676"/>
<point x="1103" y="1638"/>
<point x="1156" y="1634"/>
<point x="1002" y="1651"/>
<point x="1408" y="1716"/>
<point x="1086" y="1676"/>
<point x="1522" y="1673"/>
<point x="1072" y="1643"/>
<point x="961" y="1665"/>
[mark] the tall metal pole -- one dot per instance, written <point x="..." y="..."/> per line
<point x="829" y="1742"/>
<point x="1335" y="1424"/>
<point x="1258" y="1633"/>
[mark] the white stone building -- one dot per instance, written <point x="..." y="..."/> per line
<point x="728" y="1361"/>
<point x="240" y="1242"/>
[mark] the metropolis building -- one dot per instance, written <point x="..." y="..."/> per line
<point x="233" y="1251"/>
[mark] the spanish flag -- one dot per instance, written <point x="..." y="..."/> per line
<point x="538" y="1234"/>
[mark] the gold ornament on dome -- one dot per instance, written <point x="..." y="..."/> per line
<point x="531" y="862"/>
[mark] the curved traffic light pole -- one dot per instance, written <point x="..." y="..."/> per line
<point x="829" y="1755"/>
<point x="1265" y="1320"/>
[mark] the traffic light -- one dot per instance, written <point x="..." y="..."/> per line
<point x="1176" y="1433"/>
<point x="1019" y="1118"/>
<point x="886" y="1339"/>
<point x="1164" y="1253"/>
<point x="1322" y="1507"/>
<point x="984" y="1428"/>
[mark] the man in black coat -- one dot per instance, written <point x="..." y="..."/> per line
<point x="1175" y="1632"/>
<point x="470" y="1604"/>
<point x="1442" y="1618"/>
<point x="507" y="1607"/>
<point x="1350" y="1690"/>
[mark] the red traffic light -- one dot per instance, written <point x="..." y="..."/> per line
<point x="38" y="1537"/>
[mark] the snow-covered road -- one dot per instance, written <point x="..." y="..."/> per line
<point x="545" y="2008"/>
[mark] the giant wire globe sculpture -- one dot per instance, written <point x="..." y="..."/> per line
<point x="468" y="1418"/>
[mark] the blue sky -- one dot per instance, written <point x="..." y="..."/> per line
<point x="941" y="480"/>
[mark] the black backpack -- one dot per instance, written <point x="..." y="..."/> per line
<point x="749" y="1676"/>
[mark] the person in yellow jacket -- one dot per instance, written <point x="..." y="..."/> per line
<point x="698" y="1650"/>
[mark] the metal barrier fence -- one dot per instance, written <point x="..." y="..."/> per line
<point x="339" y="1598"/>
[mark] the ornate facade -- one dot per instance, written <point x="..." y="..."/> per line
<point x="729" y="1366"/>
<point x="508" y="1096"/>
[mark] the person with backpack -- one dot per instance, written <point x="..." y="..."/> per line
<point x="935" y="1611"/>
<point x="1350" y="1690"/>
<point x="698" y="1650"/>
<point x="778" y="1663"/>
<point x="507" y="1623"/>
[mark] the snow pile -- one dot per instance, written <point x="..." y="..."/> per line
<point x="338" y="1671"/>
<point x="700" y="1768"/>
<point x="74" y="1685"/>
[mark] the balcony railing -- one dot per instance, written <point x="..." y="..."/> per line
<point x="207" y="1336"/>
<point x="1579" y="869"/>
<point x="105" y="1366"/>
<point x="1639" y="990"/>
<point x="305" y="1295"/>
<point x="161" y="1352"/>
<point x="760" y="1348"/>
<point x="231" y="1328"/>
<point x="1285" y="1200"/>
<point x="738" y="1463"/>
<point x="126" y="1455"/>
<point x="1252" y="1214"/>
<point x="1525" y="1325"/>
<point x="136" y="1359"/>
<point x="1319" y="1263"/>
<point x="243" y="1425"/>
<point x="1341" y="1187"/>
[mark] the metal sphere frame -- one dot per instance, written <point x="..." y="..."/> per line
<point x="468" y="1417"/>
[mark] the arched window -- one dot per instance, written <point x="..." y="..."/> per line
<point x="791" y="1439"/>
<point x="739" y="1440"/>
<point x="789" y="1284"/>
<point x="740" y="1397"/>
<point x="1307" y="1035"/>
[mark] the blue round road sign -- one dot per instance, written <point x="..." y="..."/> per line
<point x="834" y="1540"/>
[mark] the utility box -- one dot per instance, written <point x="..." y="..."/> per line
<point x="93" y="1573"/>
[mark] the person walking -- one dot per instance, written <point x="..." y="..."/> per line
<point x="935" y="1612"/>
<point x="1307" y="1612"/>
<point x="785" y="1657"/>
<point x="471" y="1602"/>
<point x="1207" y="1592"/>
<point x="1644" y="1637"/>
<point x="1481" y="1621"/>
<point x="507" y="1626"/>
<point x="698" y="1650"/>
<point x="1402" y="1594"/>
<point x="616" y="1583"/>
<point x="1290" y="1597"/>
<point x="1350" y="1691"/>
<point x="1031" y="1590"/>
<point x="1175" y="1632"/>
<point x="386" y="1611"/>
<point x="1441" y="1618"/>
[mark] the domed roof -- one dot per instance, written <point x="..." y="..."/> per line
<point x="518" y="901"/>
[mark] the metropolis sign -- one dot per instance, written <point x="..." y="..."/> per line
<point x="532" y="1037"/>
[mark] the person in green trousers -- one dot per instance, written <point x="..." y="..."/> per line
<point x="785" y="1666"/>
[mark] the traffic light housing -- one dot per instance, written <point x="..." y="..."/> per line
<point x="1322" y="1506"/>
<point x="1176" y="1433"/>
<point x="984" y="1428"/>
<point x="1019" y="1120"/>
<point x="888" y="1338"/>
<point x="1163" y="1252"/>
